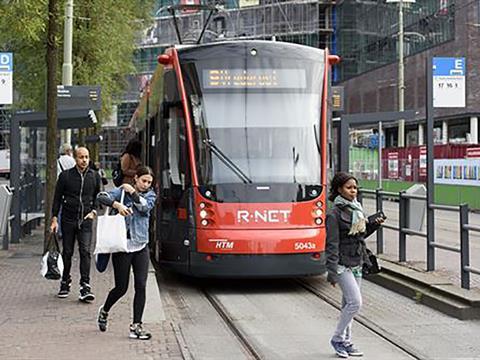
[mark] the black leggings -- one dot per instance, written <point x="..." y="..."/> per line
<point x="121" y="267"/>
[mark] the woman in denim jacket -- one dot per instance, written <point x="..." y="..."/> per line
<point x="139" y="201"/>
<point x="347" y="229"/>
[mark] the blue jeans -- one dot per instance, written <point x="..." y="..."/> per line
<point x="351" y="304"/>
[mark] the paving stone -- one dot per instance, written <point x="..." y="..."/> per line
<point x="37" y="325"/>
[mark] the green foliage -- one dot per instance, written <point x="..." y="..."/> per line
<point x="104" y="33"/>
<point x="23" y="31"/>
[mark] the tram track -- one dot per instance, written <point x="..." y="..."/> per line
<point x="367" y="323"/>
<point x="241" y="338"/>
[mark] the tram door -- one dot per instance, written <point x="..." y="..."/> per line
<point x="174" y="176"/>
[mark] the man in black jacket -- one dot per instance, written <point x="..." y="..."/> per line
<point x="75" y="193"/>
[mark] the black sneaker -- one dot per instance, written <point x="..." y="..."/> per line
<point x="138" y="332"/>
<point x="64" y="289"/>
<point x="86" y="294"/>
<point x="102" y="319"/>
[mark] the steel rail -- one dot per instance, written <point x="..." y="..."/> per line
<point x="242" y="338"/>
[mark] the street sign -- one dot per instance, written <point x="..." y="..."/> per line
<point x="449" y="82"/>
<point x="79" y="97"/>
<point x="6" y="78"/>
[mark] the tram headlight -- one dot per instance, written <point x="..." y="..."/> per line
<point x="319" y="204"/>
<point x="202" y="205"/>
<point x="318" y="212"/>
<point x="318" y="221"/>
<point x="203" y="213"/>
<point x="204" y="222"/>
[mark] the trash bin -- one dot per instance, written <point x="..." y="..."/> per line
<point x="416" y="208"/>
<point x="5" y="203"/>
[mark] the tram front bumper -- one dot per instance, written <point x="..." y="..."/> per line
<point x="256" y="266"/>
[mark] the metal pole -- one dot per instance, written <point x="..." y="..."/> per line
<point x="5" y="239"/>
<point x="464" y="247"/>
<point x="344" y="145"/>
<point x="147" y="124"/>
<point x="401" y="85"/>
<point x="430" y="169"/>
<point x="402" y="222"/>
<point x="15" y="164"/>
<point x="67" y="68"/>
<point x="380" y="155"/>
<point x="379" y="198"/>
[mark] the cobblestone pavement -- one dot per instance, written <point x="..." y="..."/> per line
<point x="35" y="324"/>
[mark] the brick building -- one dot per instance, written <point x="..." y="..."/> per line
<point x="366" y="39"/>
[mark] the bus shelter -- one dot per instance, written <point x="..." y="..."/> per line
<point x="28" y="163"/>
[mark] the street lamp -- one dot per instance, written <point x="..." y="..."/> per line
<point x="401" y="71"/>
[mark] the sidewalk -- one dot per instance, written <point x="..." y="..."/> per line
<point x="35" y="324"/>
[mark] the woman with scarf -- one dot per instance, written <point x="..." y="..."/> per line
<point x="347" y="229"/>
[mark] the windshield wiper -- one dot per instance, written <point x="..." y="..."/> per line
<point x="229" y="163"/>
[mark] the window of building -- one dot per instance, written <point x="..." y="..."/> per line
<point x="367" y="31"/>
<point x="458" y="130"/>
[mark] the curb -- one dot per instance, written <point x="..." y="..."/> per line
<point x="429" y="289"/>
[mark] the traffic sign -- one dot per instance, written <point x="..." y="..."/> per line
<point x="449" y="82"/>
<point x="6" y="78"/>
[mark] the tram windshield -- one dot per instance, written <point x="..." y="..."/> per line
<point x="257" y="121"/>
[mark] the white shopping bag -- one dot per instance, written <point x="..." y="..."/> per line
<point x="111" y="233"/>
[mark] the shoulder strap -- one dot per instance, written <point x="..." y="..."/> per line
<point x="60" y="164"/>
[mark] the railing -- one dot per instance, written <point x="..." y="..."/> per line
<point x="404" y="230"/>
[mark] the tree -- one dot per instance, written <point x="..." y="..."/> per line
<point x="51" y="58"/>
<point x="103" y="44"/>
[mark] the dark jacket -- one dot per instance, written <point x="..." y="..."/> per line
<point x="76" y="194"/>
<point x="341" y="248"/>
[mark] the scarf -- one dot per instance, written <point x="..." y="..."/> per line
<point x="359" y="224"/>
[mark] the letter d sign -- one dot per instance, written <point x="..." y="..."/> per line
<point x="6" y="62"/>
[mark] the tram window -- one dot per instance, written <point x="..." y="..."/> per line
<point x="177" y="149"/>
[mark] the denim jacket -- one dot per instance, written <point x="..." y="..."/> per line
<point x="141" y="204"/>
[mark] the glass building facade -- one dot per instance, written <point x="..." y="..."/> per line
<point x="367" y="32"/>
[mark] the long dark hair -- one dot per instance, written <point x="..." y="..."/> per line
<point x="134" y="147"/>
<point x="338" y="181"/>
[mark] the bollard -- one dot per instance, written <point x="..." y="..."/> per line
<point x="464" y="247"/>
<point x="379" y="199"/>
<point x="402" y="222"/>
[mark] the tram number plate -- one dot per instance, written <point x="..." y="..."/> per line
<point x="305" y="246"/>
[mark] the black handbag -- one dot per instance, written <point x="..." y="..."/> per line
<point x="370" y="265"/>
<point x="53" y="259"/>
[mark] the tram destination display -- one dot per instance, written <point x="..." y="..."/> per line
<point x="254" y="78"/>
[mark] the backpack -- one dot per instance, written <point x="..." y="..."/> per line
<point x="117" y="174"/>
